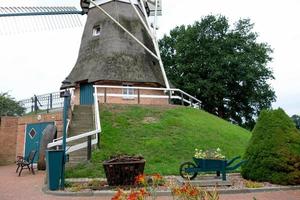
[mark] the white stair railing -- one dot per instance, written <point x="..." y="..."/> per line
<point x="58" y="141"/>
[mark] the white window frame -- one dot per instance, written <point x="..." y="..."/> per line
<point x="96" y="30"/>
<point x="128" y="93"/>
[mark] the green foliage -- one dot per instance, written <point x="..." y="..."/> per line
<point x="165" y="136"/>
<point x="253" y="184"/>
<point x="9" y="107"/>
<point x="226" y="68"/>
<point x="273" y="153"/>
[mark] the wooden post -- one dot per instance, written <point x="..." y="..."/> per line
<point x="105" y="95"/>
<point x="182" y="102"/>
<point x="169" y="97"/>
<point x="89" y="148"/>
<point x="191" y="103"/>
<point x="139" y="97"/>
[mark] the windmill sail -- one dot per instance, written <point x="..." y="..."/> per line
<point x="108" y="55"/>
<point x="13" y="19"/>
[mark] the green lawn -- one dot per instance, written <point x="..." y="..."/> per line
<point x="165" y="136"/>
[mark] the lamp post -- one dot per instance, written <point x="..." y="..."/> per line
<point x="66" y="95"/>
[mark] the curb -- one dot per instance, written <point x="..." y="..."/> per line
<point x="109" y="193"/>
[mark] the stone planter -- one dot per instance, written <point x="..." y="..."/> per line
<point x="122" y="170"/>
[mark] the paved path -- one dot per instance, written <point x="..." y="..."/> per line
<point x="29" y="187"/>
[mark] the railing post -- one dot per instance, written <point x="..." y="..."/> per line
<point x="48" y="102"/>
<point x="105" y="95"/>
<point x="51" y="101"/>
<point x="89" y="147"/>
<point x="191" y="103"/>
<point x="139" y="96"/>
<point x="169" y="93"/>
<point x="32" y="104"/>
<point x="35" y="104"/>
<point x="182" y="102"/>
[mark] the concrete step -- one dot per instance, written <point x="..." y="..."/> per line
<point x="82" y="122"/>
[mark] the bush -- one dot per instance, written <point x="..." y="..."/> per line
<point x="273" y="152"/>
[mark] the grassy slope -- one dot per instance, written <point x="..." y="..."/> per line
<point x="165" y="136"/>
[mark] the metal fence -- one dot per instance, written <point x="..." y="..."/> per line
<point x="45" y="102"/>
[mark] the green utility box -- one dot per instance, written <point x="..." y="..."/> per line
<point x="54" y="159"/>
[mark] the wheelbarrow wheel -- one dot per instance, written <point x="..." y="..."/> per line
<point x="187" y="175"/>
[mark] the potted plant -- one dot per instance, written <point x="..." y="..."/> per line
<point x="122" y="169"/>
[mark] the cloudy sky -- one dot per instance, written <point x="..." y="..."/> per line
<point x="34" y="59"/>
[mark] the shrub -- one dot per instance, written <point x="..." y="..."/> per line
<point x="273" y="152"/>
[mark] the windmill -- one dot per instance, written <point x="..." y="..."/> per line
<point x="118" y="46"/>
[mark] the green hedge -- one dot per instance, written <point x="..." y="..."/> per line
<point x="273" y="152"/>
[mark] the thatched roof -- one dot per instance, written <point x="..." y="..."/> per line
<point x="114" y="55"/>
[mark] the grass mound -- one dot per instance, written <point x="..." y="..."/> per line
<point x="165" y="136"/>
<point x="274" y="150"/>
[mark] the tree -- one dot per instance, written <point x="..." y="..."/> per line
<point x="9" y="107"/>
<point x="296" y="119"/>
<point x="273" y="153"/>
<point x="224" y="68"/>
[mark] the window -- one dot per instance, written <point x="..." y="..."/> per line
<point x="128" y="92"/>
<point x="96" y="30"/>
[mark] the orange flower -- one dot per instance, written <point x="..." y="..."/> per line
<point x="157" y="177"/>
<point x="194" y="192"/>
<point x="143" y="192"/>
<point x="140" y="179"/>
<point x="133" y="196"/>
<point x="176" y="191"/>
<point x="118" y="195"/>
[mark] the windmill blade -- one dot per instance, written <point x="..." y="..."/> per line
<point x="33" y="11"/>
<point x="27" y="19"/>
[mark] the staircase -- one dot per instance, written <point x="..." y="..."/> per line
<point x="82" y="122"/>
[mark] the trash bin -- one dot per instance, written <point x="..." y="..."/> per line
<point x="54" y="159"/>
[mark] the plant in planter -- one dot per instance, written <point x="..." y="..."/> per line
<point x="122" y="169"/>
<point x="212" y="154"/>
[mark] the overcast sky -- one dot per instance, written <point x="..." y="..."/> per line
<point x="36" y="62"/>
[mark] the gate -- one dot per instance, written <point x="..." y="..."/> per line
<point x="33" y="137"/>
<point x="86" y="94"/>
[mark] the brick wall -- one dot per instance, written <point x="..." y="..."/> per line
<point x="22" y="121"/>
<point x="8" y="142"/>
<point x="121" y="100"/>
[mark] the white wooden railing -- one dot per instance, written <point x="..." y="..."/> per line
<point x="169" y="94"/>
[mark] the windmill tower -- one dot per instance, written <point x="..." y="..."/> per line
<point x="118" y="48"/>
